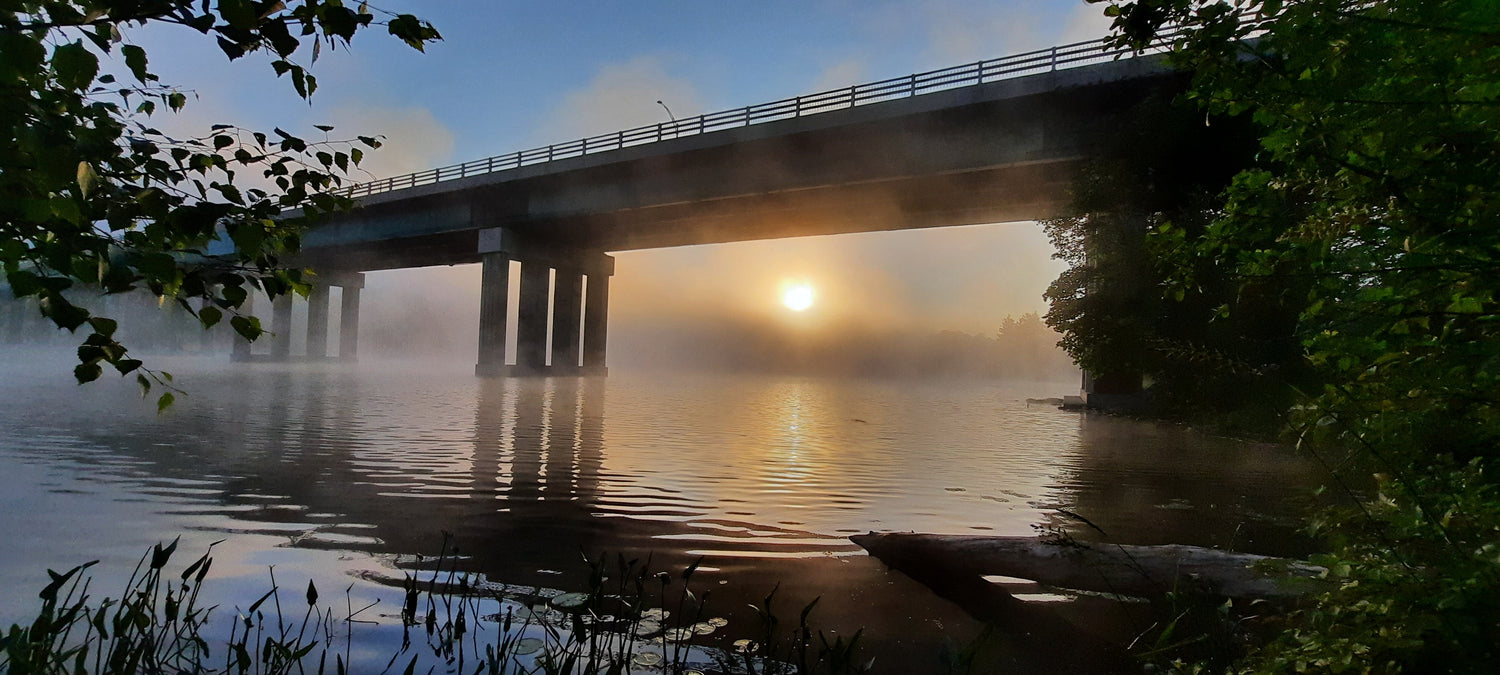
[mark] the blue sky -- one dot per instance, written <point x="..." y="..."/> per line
<point x="512" y="75"/>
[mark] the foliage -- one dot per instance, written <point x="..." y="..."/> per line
<point x="1380" y="129"/>
<point x="92" y="196"/>
<point x="1211" y="344"/>
<point x="621" y="624"/>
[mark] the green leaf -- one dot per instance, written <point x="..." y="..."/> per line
<point x="165" y="401"/>
<point x="209" y="316"/>
<point x="135" y="60"/>
<point x="247" y="326"/>
<point x="87" y="372"/>
<point x="74" y="65"/>
<point x="103" y="326"/>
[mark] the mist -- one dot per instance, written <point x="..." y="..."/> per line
<point x="909" y="303"/>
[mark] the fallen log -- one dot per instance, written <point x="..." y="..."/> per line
<point x="1104" y="568"/>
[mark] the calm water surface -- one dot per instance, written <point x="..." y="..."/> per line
<point x="346" y="475"/>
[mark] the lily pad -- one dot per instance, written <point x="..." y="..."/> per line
<point x="645" y="628"/>
<point x="678" y="634"/>
<point x="526" y="646"/>
<point x="645" y="660"/>
<point x="745" y="646"/>
<point x="570" y="600"/>
<point x="655" y="615"/>
<point x="717" y="622"/>
<point x="703" y="628"/>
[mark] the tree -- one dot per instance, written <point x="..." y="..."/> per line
<point x="92" y="196"/>
<point x="1379" y="125"/>
<point x="1160" y="179"/>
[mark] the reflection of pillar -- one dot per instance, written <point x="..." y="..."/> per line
<point x="489" y="437"/>
<point x="241" y="350"/>
<point x="317" y="322"/>
<point x="281" y="325"/>
<point x="349" y="323"/>
<point x="590" y="439"/>
<point x="494" y="289"/>
<point x="531" y="318"/>
<point x="567" y="301"/>
<point x="562" y="439"/>
<point x="596" y="318"/>
<point x="527" y="442"/>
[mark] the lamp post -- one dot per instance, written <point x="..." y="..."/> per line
<point x="675" y="130"/>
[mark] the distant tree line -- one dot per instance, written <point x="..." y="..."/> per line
<point x="1022" y="348"/>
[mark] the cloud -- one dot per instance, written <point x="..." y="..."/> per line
<point x="414" y="139"/>
<point x="960" y="33"/>
<point x="1085" y="22"/>
<point x="844" y="73"/>
<point x="621" y="96"/>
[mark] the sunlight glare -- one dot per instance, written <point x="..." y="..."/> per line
<point x="797" y="297"/>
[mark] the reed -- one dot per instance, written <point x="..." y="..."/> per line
<point x="629" y="619"/>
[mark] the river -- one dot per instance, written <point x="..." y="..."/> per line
<point x="345" y="475"/>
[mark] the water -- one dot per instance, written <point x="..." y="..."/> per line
<point x="346" y="475"/>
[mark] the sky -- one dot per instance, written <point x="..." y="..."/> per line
<point x="514" y="75"/>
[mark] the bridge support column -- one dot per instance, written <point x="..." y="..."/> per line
<point x="240" y="351"/>
<point x="494" y="293"/>
<point x="317" y="322"/>
<point x="498" y="247"/>
<point x="531" y="318"/>
<point x="349" y="319"/>
<point x="567" y="302"/>
<point x="596" y="317"/>
<point x="281" y="325"/>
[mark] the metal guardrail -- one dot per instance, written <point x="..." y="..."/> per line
<point x="1030" y="63"/>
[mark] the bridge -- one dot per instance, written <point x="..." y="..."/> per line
<point x="992" y="141"/>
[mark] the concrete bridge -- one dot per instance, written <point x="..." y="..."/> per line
<point x="993" y="141"/>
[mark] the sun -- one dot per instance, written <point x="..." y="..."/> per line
<point x="797" y="297"/>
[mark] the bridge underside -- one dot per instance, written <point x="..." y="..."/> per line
<point x="992" y="195"/>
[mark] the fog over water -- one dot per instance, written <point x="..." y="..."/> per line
<point x="344" y="474"/>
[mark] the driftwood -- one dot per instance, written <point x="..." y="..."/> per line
<point x="1105" y="568"/>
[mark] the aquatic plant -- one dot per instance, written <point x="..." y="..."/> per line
<point x="619" y="624"/>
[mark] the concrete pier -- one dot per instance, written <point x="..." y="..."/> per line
<point x="596" y="320"/>
<point x="317" y="322"/>
<point x="349" y="320"/>
<point x="494" y="289"/>
<point x="545" y="271"/>
<point x="567" y="303"/>
<point x="281" y="327"/>
<point x="241" y="348"/>
<point x="531" y="318"/>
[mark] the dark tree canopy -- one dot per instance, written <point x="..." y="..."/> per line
<point x="1376" y="195"/>
<point x="94" y="199"/>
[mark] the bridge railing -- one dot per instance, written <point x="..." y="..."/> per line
<point x="1030" y="63"/>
